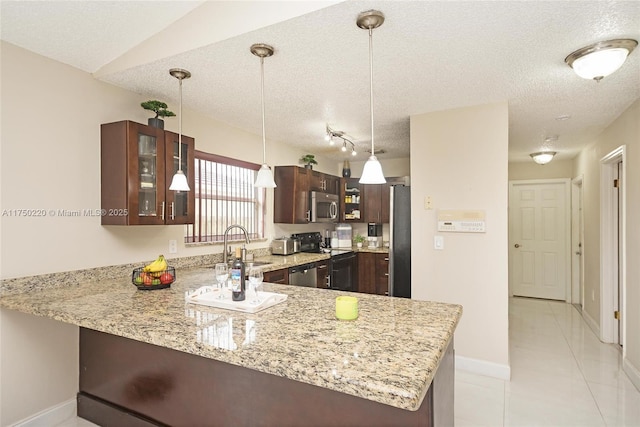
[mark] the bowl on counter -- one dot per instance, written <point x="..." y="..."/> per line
<point x="148" y="281"/>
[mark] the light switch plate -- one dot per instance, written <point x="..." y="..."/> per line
<point x="438" y="243"/>
<point x="173" y="246"/>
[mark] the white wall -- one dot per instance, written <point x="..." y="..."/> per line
<point x="472" y="270"/>
<point x="625" y="130"/>
<point x="531" y="170"/>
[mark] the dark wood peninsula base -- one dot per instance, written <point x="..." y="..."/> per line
<point x="124" y="382"/>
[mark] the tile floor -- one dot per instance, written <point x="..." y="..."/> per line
<point x="561" y="375"/>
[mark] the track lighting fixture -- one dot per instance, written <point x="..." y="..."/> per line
<point x="331" y="134"/>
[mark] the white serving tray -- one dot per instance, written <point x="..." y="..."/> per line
<point x="215" y="297"/>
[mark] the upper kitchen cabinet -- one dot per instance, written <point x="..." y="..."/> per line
<point x="376" y="202"/>
<point x="137" y="165"/>
<point x="291" y="196"/>
<point x="322" y="182"/>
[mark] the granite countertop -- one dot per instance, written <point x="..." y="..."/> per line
<point x="277" y="262"/>
<point x="389" y="354"/>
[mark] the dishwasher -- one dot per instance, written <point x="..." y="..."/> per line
<point x="304" y="275"/>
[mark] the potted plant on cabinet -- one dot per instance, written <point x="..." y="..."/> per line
<point x="309" y="160"/>
<point x="160" y="108"/>
<point x="359" y="240"/>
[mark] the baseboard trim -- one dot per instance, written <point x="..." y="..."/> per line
<point x="482" y="367"/>
<point x="632" y="372"/>
<point x="51" y="416"/>
<point x="595" y="326"/>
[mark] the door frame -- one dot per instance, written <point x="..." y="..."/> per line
<point x="577" y="236"/>
<point x="567" y="220"/>
<point x="609" y="266"/>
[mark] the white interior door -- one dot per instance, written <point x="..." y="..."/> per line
<point x="539" y="236"/>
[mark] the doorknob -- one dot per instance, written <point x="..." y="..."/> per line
<point x="516" y="245"/>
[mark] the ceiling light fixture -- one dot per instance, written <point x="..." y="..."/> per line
<point x="372" y="172"/>
<point x="331" y="133"/>
<point x="265" y="177"/>
<point x="600" y="59"/>
<point x="542" y="157"/>
<point x="179" y="181"/>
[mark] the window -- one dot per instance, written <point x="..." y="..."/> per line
<point x="225" y="195"/>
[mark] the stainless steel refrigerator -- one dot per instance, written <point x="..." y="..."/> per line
<point x="400" y="241"/>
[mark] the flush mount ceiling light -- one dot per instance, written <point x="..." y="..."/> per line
<point x="372" y="173"/>
<point x="179" y="181"/>
<point x="331" y="133"/>
<point x="265" y="177"/>
<point x="600" y="59"/>
<point x="542" y="157"/>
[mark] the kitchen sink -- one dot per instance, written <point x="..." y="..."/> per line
<point x="249" y="264"/>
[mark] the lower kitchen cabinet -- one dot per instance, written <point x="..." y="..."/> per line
<point x="373" y="273"/>
<point x="323" y="273"/>
<point x="277" y="276"/>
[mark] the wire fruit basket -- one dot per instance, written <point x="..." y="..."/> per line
<point x="148" y="281"/>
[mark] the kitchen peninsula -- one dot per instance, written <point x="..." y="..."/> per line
<point x="149" y="358"/>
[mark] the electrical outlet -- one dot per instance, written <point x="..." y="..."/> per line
<point x="173" y="247"/>
<point x="427" y="203"/>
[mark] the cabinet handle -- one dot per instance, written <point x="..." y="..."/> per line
<point x="173" y="211"/>
<point x="328" y="281"/>
<point x="308" y="215"/>
<point x="320" y="267"/>
<point x="386" y="274"/>
<point x="162" y="211"/>
<point x="386" y="259"/>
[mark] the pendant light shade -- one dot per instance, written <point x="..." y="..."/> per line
<point x="265" y="177"/>
<point x="179" y="181"/>
<point x="372" y="173"/>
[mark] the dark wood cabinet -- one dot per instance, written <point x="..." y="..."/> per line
<point x="291" y="196"/>
<point x="373" y="273"/>
<point x="382" y="274"/>
<point x="323" y="273"/>
<point x="277" y="276"/>
<point x="137" y="165"/>
<point x="376" y="203"/>
<point x="324" y="183"/>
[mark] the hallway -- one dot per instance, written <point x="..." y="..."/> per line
<point x="561" y="375"/>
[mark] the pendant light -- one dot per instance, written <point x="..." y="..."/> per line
<point x="372" y="173"/>
<point x="265" y="177"/>
<point x="179" y="181"/>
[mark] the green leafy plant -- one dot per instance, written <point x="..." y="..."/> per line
<point x="158" y="107"/>
<point x="309" y="159"/>
<point x="359" y="238"/>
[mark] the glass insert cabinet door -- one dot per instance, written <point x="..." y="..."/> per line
<point x="148" y="197"/>
<point x="180" y="204"/>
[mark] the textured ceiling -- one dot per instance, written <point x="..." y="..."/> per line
<point x="428" y="56"/>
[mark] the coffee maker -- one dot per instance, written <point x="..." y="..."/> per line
<point x="374" y="235"/>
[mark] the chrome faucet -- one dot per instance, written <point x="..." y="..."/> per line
<point x="226" y="233"/>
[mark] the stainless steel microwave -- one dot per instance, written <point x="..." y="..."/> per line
<point x="325" y="207"/>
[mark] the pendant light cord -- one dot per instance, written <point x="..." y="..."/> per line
<point x="264" y="140"/>
<point x="371" y="85"/>
<point x="180" y="131"/>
